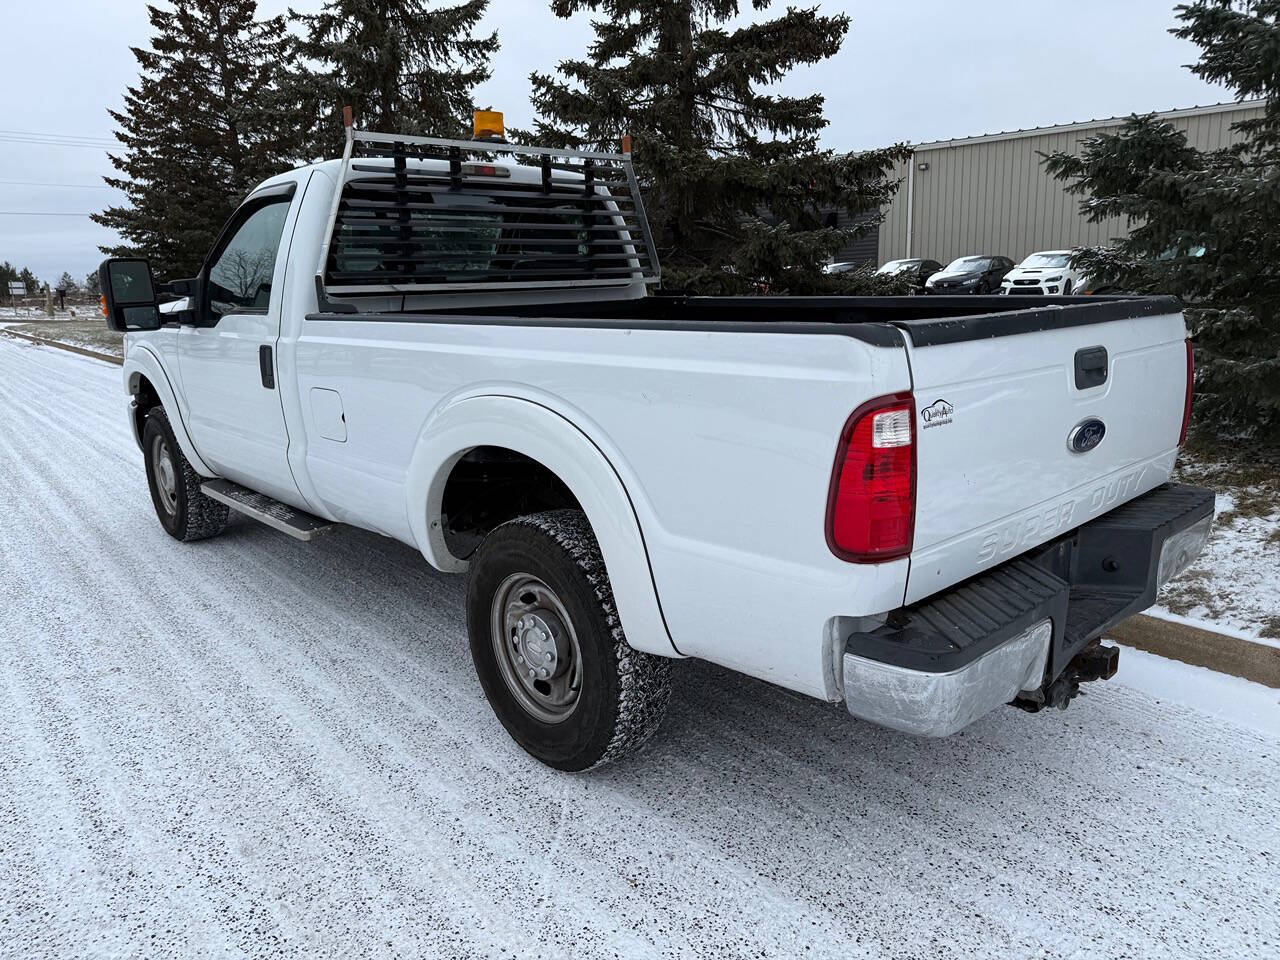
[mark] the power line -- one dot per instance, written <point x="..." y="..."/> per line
<point x="40" y="213"/>
<point x="57" y="136"/>
<point x="58" y="139"/>
<point x="59" y="143"/>
<point x="42" y="183"/>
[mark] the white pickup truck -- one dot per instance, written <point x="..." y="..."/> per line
<point x="923" y="507"/>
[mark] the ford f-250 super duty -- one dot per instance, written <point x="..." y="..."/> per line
<point x="924" y="507"/>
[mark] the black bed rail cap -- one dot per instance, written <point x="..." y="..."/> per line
<point x="1070" y="312"/>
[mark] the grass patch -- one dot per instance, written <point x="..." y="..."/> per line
<point x="90" y="334"/>
<point x="1248" y="470"/>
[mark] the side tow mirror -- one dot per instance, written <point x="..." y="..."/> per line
<point x="128" y="294"/>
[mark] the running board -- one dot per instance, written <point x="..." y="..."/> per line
<point x="296" y="523"/>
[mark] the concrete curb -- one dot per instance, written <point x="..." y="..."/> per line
<point x="1202" y="648"/>
<point x="83" y="351"/>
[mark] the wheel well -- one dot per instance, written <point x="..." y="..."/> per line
<point x="145" y="397"/>
<point x="491" y="485"/>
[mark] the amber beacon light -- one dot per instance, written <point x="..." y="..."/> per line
<point x="487" y="125"/>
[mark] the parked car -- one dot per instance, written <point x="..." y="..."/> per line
<point x="923" y="514"/>
<point x="914" y="269"/>
<point x="1045" y="274"/>
<point x="979" y="274"/>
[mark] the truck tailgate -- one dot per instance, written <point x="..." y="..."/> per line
<point x="1008" y="421"/>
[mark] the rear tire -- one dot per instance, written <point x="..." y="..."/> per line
<point x="185" y="513"/>
<point x="549" y="648"/>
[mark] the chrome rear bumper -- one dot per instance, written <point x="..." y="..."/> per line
<point x="1024" y="631"/>
<point x="940" y="704"/>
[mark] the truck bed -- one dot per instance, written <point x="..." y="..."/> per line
<point x="725" y="437"/>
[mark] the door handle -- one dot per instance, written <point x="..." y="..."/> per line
<point x="266" y="367"/>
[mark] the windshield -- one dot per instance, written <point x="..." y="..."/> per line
<point x="1047" y="260"/>
<point x="897" y="266"/>
<point x="969" y="265"/>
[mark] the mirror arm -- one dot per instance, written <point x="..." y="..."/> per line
<point x="178" y="288"/>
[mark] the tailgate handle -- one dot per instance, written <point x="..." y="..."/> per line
<point x="1091" y="367"/>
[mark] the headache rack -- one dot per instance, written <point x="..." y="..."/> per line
<point x="465" y="220"/>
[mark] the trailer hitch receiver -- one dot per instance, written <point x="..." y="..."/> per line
<point x="1094" y="662"/>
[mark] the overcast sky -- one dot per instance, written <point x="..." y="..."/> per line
<point x="914" y="71"/>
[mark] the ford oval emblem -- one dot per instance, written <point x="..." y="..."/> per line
<point x="1086" y="435"/>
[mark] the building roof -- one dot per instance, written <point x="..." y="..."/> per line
<point x="1228" y="107"/>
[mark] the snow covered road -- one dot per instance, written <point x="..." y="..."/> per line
<point x="254" y="747"/>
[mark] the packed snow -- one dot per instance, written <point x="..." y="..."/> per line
<point x="253" y="747"/>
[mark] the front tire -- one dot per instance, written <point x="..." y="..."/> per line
<point x="549" y="648"/>
<point x="185" y="513"/>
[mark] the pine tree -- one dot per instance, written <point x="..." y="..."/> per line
<point x="67" y="282"/>
<point x="403" y="67"/>
<point x="1206" y="225"/>
<point x="198" y="130"/>
<point x="735" y="182"/>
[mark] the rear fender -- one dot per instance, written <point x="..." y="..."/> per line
<point x="538" y="432"/>
<point x="142" y="362"/>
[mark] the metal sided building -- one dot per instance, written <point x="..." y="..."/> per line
<point x="991" y="195"/>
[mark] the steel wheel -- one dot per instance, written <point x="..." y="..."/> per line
<point x="166" y="474"/>
<point x="538" y="598"/>
<point x="536" y="647"/>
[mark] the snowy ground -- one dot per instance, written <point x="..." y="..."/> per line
<point x="1236" y="581"/>
<point x="254" y="747"/>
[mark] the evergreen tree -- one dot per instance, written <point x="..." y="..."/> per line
<point x="401" y="65"/>
<point x="1206" y="225"/>
<point x="67" y="282"/>
<point x="92" y="285"/>
<point x="735" y="183"/>
<point x="198" y="130"/>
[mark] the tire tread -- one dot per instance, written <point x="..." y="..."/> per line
<point x="204" y="517"/>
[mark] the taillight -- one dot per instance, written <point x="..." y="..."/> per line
<point x="1191" y="381"/>
<point x="871" y="504"/>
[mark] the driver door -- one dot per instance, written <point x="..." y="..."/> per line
<point x="227" y="357"/>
